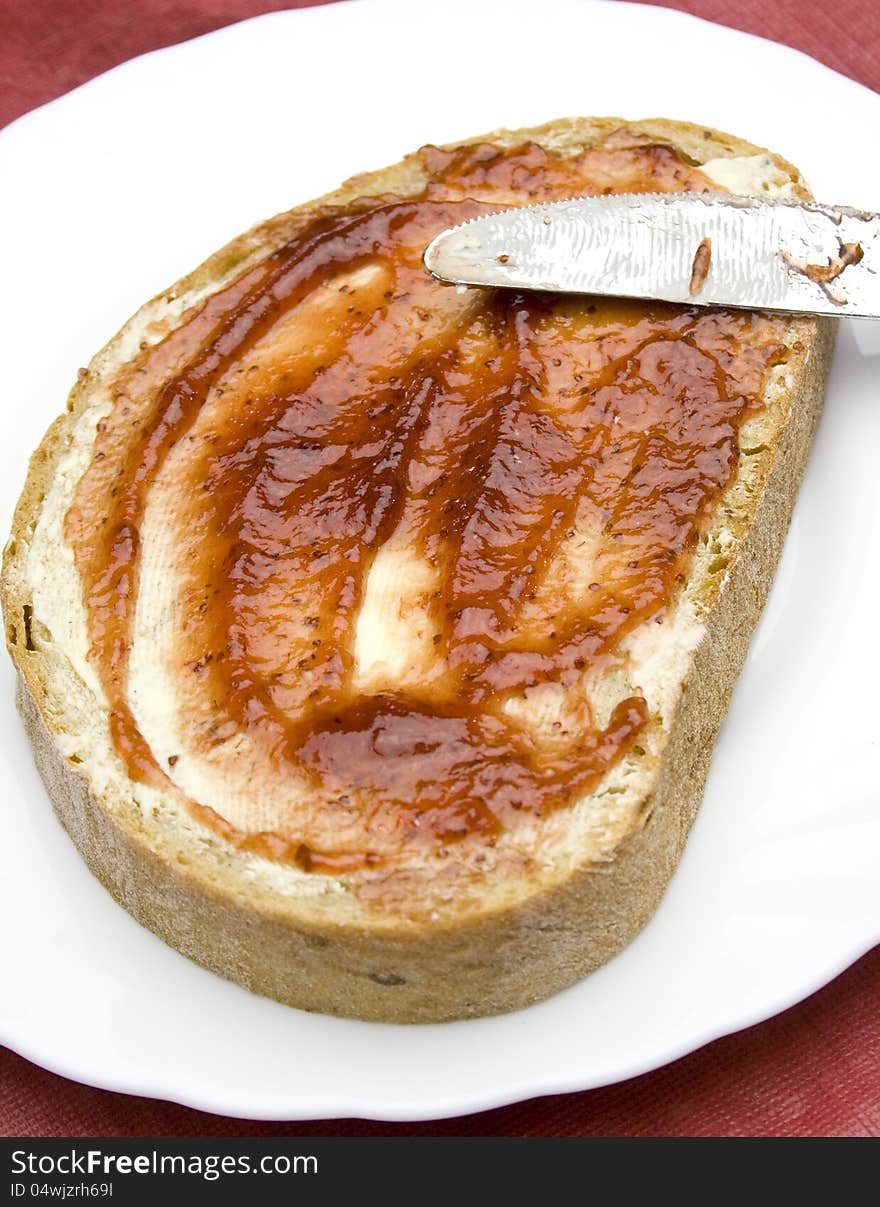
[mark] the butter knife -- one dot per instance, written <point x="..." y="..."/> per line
<point x="701" y="250"/>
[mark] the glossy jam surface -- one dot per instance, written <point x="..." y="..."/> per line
<point x="411" y="525"/>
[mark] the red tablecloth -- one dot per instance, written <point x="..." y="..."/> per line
<point x="814" y="1070"/>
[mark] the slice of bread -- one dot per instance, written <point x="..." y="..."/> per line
<point x="330" y="890"/>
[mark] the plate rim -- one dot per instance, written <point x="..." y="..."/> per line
<point x="476" y="1104"/>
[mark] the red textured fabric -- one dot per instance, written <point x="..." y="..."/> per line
<point x="48" y="47"/>
<point x="814" y="1070"/>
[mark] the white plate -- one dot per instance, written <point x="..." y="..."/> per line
<point x="116" y="190"/>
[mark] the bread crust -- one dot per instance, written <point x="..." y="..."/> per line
<point x="311" y="955"/>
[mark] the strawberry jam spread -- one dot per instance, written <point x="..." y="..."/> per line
<point x="373" y="539"/>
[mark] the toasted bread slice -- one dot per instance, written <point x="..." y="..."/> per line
<point x="508" y="785"/>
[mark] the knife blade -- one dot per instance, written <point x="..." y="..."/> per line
<point x="701" y="250"/>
